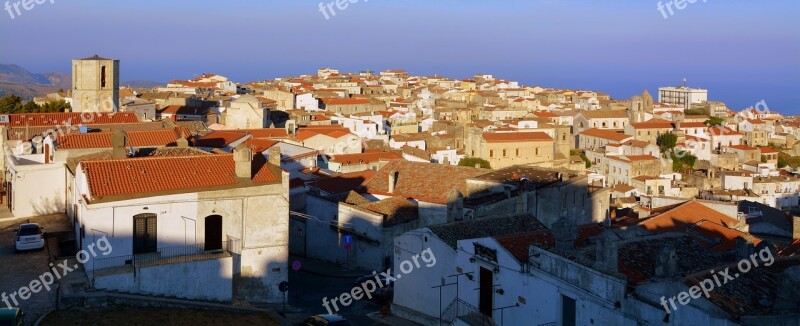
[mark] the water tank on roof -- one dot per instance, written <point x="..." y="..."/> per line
<point x="84" y="129"/>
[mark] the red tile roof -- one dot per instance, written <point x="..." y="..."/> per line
<point x="685" y="215"/>
<point x="168" y="174"/>
<point x="422" y="181"/>
<point x="344" y="101"/>
<point x="722" y="131"/>
<point x="606" y="134"/>
<point x="793" y="250"/>
<point x="222" y="138"/>
<point x="344" y="182"/>
<point x="743" y="147"/>
<point x="518" y="244"/>
<point x="720" y="237"/>
<point x="496" y="137"/>
<point x="145" y="138"/>
<point x="767" y="150"/>
<point x="331" y="131"/>
<point x="72" y="118"/>
<point x="364" y="158"/>
<point x="633" y="158"/>
<point x="653" y="124"/>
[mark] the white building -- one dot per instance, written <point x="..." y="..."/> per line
<point x="682" y="96"/>
<point x="208" y="227"/>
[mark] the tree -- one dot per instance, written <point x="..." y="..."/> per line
<point x="31" y="107"/>
<point x="714" y="121"/>
<point x="10" y="104"/>
<point x="56" y="106"/>
<point x="683" y="163"/>
<point x="472" y="161"/>
<point x="666" y="142"/>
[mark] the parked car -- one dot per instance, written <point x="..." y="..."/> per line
<point x="383" y="293"/>
<point x="12" y="317"/>
<point x="30" y="236"/>
<point x="325" y="320"/>
<point x="385" y="281"/>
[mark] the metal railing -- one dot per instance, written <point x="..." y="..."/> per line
<point x="460" y="308"/>
<point x="167" y="255"/>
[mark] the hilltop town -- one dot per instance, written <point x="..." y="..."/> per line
<point x="542" y="206"/>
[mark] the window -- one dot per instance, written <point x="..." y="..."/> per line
<point x="103" y="77"/>
<point x="491" y="153"/>
<point x="537" y="150"/>
<point x="504" y="152"/>
<point x="517" y="152"/>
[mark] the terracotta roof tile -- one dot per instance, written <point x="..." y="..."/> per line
<point x="606" y="134"/>
<point x="166" y="174"/>
<point x="686" y="215"/>
<point x="147" y="138"/>
<point x="364" y="158"/>
<point x="344" y="182"/>
<point x="422" y="181"/>
<point x="72" y="118"/>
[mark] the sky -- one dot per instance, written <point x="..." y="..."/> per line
<point x="742" y="51"/>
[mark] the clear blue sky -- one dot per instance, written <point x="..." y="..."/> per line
<point x="743" y="51"/>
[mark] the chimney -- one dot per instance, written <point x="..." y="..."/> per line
<point x="455" y="206"/>
<point x="118" y="143"/>
<point x="564" y="233"/>
<point x="243" y="158"/>
<point x="667" y="261"/>
<point x="275" y="155"/>
<point x="47" y="155"/>
<point x="392" y="180"/>
<point x="744" y="248"/>
<point x="182" y="142"/>
<point x="607" y="252"/>
<point x="796" y="227"/>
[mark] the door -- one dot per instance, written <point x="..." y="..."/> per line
<point x="144" y="233"/>
<point x="567" y="311"/>
<point x="213" y="233"/>
<point x="10" y="193"/>
<point x="486" y="292"/>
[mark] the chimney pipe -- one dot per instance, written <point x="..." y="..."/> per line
<point x="243" y="158"/>
<point x="46" y="153"/>
<point x="118" y="142"/>
<point x="275" y="155"/>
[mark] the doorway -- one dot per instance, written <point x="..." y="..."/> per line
<point x="486" y="292"/>
<point x="213" y="233"/>
<point x="144" y="233"/>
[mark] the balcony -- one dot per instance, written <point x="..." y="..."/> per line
<point x="164" y="256"/>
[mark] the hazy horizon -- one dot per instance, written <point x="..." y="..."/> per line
<point x="618" y="48"/>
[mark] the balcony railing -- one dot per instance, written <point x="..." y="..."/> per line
<point x="167" y="255"/>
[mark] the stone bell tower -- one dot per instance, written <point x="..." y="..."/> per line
<point x="95" y="85"/>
